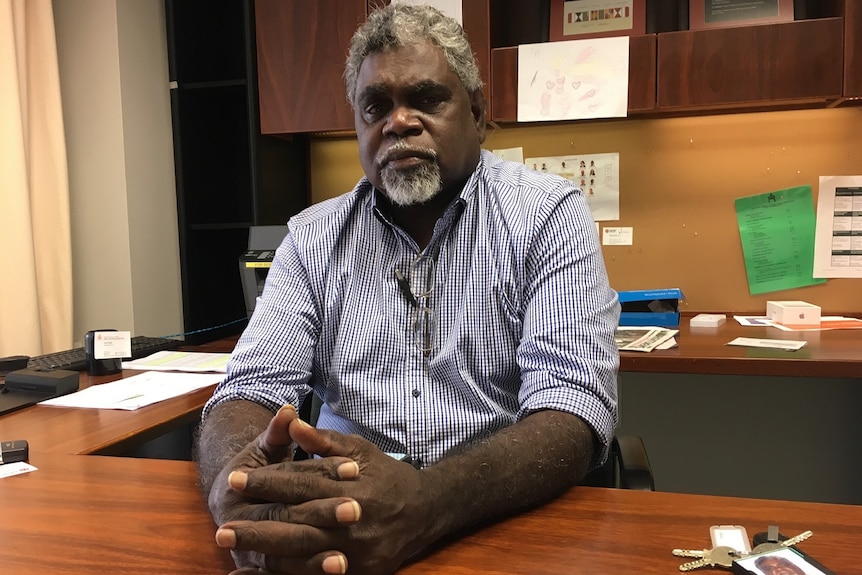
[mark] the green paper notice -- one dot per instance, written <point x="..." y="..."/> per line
<point x="777" y="233"/>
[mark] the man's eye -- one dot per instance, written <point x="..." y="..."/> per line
<point x="430" y="102"/>
<point x="373" y="111"/>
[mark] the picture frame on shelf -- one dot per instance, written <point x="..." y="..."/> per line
<point x="707" y="14"/>
<point x="580" y="19"/>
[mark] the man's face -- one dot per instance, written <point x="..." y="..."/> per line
<point x="778" y="566"/>
<point x="418" y="129"/>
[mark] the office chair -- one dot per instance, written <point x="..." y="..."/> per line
<point x="627" y="467"/>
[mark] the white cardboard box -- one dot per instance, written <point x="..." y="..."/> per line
<point x="708" y="320"/>
<point x="793" y="312"/>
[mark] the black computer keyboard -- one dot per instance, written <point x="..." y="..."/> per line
<point x="76" y="360"/>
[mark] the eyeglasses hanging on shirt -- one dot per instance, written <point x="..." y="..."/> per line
<point x="417" y="288"/>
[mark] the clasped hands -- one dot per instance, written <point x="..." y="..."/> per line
<point x="354" y="507"/>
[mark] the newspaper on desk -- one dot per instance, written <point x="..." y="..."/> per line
<point x="644" y="338"/>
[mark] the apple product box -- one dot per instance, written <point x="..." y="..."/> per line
<point x="793" y="312"/>
<point x="658" y="307"/>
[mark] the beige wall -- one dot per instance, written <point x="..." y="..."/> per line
<point x="678" y="180"/>
<point x="116" y="106"/>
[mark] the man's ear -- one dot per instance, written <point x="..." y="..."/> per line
<point x="478" y="106"/>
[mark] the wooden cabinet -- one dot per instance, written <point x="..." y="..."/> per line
<point x="853" y="49"/>
<point x="301" y="47"/>
<point x="794" y="62"/>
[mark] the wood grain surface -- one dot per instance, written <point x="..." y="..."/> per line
<point x="91" y="514"/>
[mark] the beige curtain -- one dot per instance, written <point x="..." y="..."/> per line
<point x="35" y="239"/>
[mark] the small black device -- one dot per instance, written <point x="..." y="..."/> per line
<point x="38" y="380"/>
<point x="13" y="363"/>
<point x="29" y="386"/>
<point x="96" y="366"/>
<point x="14" y="451"/>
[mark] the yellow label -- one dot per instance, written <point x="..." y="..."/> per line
<point x="258" y="264"/>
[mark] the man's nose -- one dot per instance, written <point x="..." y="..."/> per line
<point x="403" y="121"/>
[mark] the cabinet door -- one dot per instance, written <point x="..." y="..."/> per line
<point x="301" y="47"/>
<point x="853" y="49"/>
<point x="772" y="64"/>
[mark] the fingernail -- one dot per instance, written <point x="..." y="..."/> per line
<point x="287" y="406"/>
<point x="303" y="423"/>
<point x="336" y="564"/>
<point x="226" y="538"/>
<point x="349" y="470"/>
<point x="238" y="479"/>
<point x="348" y="512"/>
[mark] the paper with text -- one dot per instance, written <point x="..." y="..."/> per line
<point x="777" y="233"/>
<point x="598" y="176"/>
<point x="134" y="392"/>
<point x="190" y="361"/>
<point x="786" y="345"/>
<point x="838" y="240"/>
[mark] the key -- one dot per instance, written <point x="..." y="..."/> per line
<point x="690" y="552"/>
<point x="773" y="545"/>
<point x="721" y="556"/>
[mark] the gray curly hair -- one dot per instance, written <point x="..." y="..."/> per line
<point x="407" y="25"/>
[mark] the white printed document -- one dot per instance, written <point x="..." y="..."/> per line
<point x="181" y="361"/>
<point x="137" y="391"/>
<point x="784" y="344"/>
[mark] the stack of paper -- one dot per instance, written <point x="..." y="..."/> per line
<point x="137" y="391"/>
<point x="640" y="338"/>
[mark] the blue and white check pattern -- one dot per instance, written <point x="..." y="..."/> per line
<point x="524" y="318"/>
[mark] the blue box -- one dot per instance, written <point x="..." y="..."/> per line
<point x="658" y="307"/>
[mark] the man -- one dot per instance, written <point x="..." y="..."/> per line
<point x="777" y="565"/>
<point x="452" y="310"/>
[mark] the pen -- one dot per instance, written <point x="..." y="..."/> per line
<point x="404" y="287"/>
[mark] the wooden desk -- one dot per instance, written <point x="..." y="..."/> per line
<point x="100" y="431"/>
<point x="107" y="431"/>
<point x="834" y="353"/>
<point x="90" y="514"/>
<point x="83" y="515"/>
<point x="618" y="532"/>
<point x="788" y="410"/>
<point x="701" y="351"/>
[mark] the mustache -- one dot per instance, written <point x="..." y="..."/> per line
<point x="402" y="149"/>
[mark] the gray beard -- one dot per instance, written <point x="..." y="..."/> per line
<point x="417" y="186"/>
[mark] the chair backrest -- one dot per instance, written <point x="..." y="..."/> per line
<point x="627" y="466"/>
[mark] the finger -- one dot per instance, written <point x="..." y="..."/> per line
<point x="323" y="513"/>
<point x="323" y="442"/>
<point x="278" y="539"/>
<point x="275" y="441"/>
<point x="294" y="483"/>
<point x="329" y="562"/>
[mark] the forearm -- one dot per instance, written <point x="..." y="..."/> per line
<point x="228" y="428"/>
<point x="517" y="468"/>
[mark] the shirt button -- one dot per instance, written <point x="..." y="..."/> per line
<point x="416" y="393"/>
<point x="417" y="463"/>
